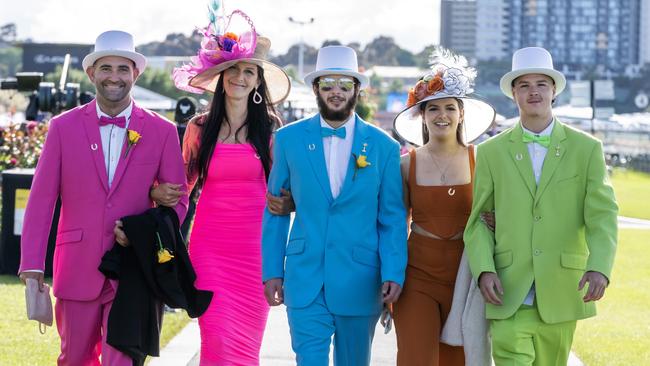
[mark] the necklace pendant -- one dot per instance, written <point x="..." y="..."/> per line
<point x="443" y="178"/>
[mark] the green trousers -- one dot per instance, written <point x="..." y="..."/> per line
<point x="524" y="340"/>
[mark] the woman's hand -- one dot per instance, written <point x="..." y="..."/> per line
<point x="282" y="205"/>
<point x="167" y="194"/>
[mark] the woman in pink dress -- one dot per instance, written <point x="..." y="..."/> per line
<point x="227" y="154"/>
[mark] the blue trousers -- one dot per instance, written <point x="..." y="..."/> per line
<point x="313" y="326"/>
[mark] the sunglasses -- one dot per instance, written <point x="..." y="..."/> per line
<point x="327" y="84"/>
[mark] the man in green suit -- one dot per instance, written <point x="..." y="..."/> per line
<point x="551" y="255"/>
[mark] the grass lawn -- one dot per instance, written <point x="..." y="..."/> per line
<point x="22" y="345"/>
<point x="632" y="192"/>
<point x="620" y="334"/>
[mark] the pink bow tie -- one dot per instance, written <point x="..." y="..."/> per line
<point x="117" y="121"/>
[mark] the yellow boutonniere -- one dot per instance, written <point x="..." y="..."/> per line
<point x="360" y="162"/>
<point x="164" y="255"/>
<point x="132" y="139"/>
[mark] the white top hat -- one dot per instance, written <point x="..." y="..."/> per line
<point x="115" y="43"/>
<point x="337" y="60"/>
<point x="532" y="60"/>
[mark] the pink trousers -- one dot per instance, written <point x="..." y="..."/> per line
<point x="82" y="328"/>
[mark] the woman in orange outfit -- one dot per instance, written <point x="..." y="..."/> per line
<point x="440" y="118"/>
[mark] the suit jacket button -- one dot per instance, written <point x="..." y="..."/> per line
<point x="537" y="252"/>
<point x="537" y="218"/>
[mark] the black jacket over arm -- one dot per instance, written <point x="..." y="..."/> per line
<point x="135" y="319"/>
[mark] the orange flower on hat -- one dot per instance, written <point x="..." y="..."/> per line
<point x="436" y="84"/>
<point x="411" y="98"/>
<point x="232" y="36"/>
<point x="420" y="90"/>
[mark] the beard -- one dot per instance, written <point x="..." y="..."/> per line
<point x="114" y="96"/>
<point x="336" y="115"/>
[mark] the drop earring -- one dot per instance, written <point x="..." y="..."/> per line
<point x="257" y="97"/>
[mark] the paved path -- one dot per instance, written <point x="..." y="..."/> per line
<point x="276" y="347"/>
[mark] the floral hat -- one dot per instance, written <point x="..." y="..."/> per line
<point x="221" y="48"/>
<point x="450" y="77"/>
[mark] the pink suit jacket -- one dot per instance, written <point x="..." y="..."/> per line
<point x="72" y="167"/>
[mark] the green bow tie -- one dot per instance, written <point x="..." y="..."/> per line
<point x="542" y="140"/>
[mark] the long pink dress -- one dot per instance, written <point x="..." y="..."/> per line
<point x="225" y="250"/>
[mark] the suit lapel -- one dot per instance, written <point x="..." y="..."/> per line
<point x="521" y="158"/>
<point x="136" y="124"/>
<point x="91" y="126"/>
<point x="554" y="155"/>
<point x="360" y="138"/>
<point x="314" y="150"/>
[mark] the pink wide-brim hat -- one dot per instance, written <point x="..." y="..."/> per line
<point x="203" y="72"/>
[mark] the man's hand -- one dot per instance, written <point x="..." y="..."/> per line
<point x="38" y="276"/>
<point x="120" y="236"/>
<point x="491" y="289"/>
<point x="167" y="194"/>
<point x="282" y="205"/>
<point x="390" y="291"/>
<point x="273" y="291"/>
<point x="597" y="284"/>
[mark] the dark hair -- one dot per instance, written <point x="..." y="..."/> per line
<point x="459" y="129"/>
<point x="261" y="120"/>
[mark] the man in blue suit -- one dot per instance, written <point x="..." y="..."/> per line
<point x="346" y="253"/>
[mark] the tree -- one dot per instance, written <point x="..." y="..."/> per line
<point x="396" y="86"/>
<point x="384" y="51"/>
<point x="422" y="58"/>
<point x="11" y="60"/>
<point x="160" y="81"/>
<point x="291" y="57"/>
<point x="330" y="42"/>
<point x="366" y="108"/>
<point x="175" y="44"/>
<point x="74" y="76"/>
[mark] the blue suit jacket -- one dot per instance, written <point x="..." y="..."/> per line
<point x="348" y="245"/>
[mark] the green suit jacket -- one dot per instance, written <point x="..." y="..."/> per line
<point x="549" y="233"/>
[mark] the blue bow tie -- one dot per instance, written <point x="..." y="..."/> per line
<point x="327" y="132"/>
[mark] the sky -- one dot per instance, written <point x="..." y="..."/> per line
<point x="413" y="24"/>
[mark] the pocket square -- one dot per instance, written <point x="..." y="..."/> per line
<point x="39" y="304"/>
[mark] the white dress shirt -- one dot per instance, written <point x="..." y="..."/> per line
<point x="337" y="154"/>
<point x="113" y="140"/>
<point x="537" y="155"/>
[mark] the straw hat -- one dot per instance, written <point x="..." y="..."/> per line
<point x="220" y="51"/>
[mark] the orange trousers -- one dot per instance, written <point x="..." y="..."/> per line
<point x="425" y="302"/>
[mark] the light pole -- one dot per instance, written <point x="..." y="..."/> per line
<point x="301" y="46"/>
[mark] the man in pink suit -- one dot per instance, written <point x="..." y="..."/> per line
<point x="101" y="160"/>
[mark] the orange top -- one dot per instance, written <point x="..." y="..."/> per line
<point x="441" y="210"/>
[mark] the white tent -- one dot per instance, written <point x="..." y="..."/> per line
<point x="152" y="100"/>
